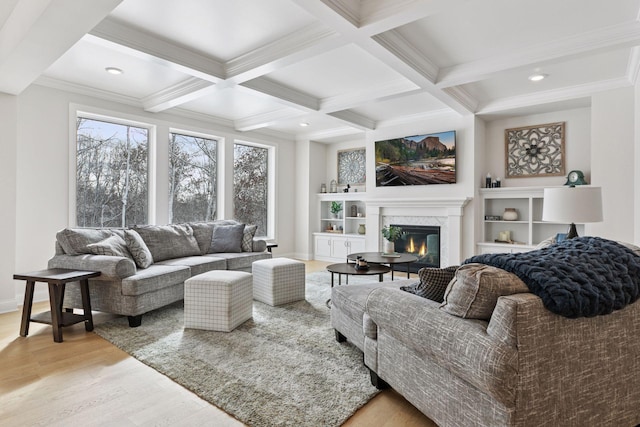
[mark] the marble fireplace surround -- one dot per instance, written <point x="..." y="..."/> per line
<point x="443" y="212"/>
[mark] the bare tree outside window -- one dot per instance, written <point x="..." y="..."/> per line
<point x="250" y="185"/>
<point x="192" y="178"/>
<point x="111" y="174"/>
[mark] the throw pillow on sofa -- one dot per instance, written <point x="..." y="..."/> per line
<point x="433" y="282"/>
<point x="247" y="237"/>
<point x="227" y="238"/>
<point x="169" y="241"/>
<point x="139" y="251"/>
<point x="75" y="241"/>
<point x="475" y="290"/>
<point x="112" y="246"/>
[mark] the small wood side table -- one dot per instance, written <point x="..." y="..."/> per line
<point x="57" y="278"/>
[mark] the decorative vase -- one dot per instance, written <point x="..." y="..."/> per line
<point x="362" y="229"/>
<point x="510" y="214"/>
<point x="389" y="247"/>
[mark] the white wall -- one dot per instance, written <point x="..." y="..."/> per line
<point x="43" y="141"/>
<point x="613" y="157"/>
<point x="8" y="164"/>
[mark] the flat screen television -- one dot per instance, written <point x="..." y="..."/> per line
<point x="416" y="160"/>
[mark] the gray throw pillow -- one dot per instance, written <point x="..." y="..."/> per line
<point x="169" y="241"/>
<point x="112" y="246"/>
<point x="247" y="237"/>
<point x="75" y="241"/>
<point x="433" y="282"/>
<point x="227" y="238"/>
<point x="139" y="251"/>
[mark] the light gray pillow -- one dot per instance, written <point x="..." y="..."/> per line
<point x="139" y="251"/>
<point x="169" y="241"/>
<point x="75" y="241"/>
<point x="203" y="231"/>
<point x="227" y="238"/>
<point x="113" y="246"/>
<point x="247" y="237"/>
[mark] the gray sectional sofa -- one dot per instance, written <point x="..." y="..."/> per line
<point x="144" y="268"/>
<point x="491" y="354"/>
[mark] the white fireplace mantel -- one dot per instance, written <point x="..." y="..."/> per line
<point x="446" y="210"/>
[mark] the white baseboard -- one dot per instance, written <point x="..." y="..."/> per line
<point x="8" y="305"/>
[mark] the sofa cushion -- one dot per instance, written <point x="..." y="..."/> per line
<point x="202" y="231"/>
<point x="112" y="246"/>
<point x="433" y="282"/>
<point x="197" y="264"/>
<point x="240" y="260"/>
<point x="227" y="238"/>
<point x="352" y="299"/>
<point x="475" y="289"/>
<point x="75" y="241"/>
<point x="169" y="241"/>
<point x="153" y="278"/>
<point x="247" y="237"/>
<point x="138" y="249"/>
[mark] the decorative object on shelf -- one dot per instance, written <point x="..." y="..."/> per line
<point x="334" y="186"/>
<point x="572" y="204"/>
<point x="498" y="183"/>
<point x="354" y="210"/>
<point x="510" y="214"/>
<point x="362" y="229"/>
<point x="575" y="177"/>
<point x="487" y="181"/>
<point x="336" y="208"/>
<point x="352" y="166"/>
<point x="416" y="160"/>
<point x="391" y="234"/>
<point x="492" y="218"/>
<point x="504" y="237"/>
<point x="323" y="188"/>
<point x="359" y="215"/>
<point x="535" y="150"/>
<point x="346" y="189"/>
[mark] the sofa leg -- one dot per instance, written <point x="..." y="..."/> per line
<point x="135" y="321"/>
<point x="339" y="336"/>
<point x="378" y="382"/>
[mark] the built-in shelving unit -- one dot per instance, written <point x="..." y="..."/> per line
<point x="335" y="245"/>
<point x="527" y="231"/>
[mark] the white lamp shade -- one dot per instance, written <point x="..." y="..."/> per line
<point x="578" y="204"/>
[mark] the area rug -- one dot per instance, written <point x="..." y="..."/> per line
<point x="282" y="368"/>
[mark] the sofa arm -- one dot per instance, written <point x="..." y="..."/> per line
<point x="259" y="245"/>
<point x="111" y="267"/>
<point x="460" y="345"/>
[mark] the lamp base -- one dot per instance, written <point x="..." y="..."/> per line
<point x="572" y="231"/>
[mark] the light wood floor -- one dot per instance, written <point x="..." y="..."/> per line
<point x="87" y="381"/>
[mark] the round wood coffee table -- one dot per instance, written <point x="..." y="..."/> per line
<point x="349" y="269"/>
<point x="379" y="258"/>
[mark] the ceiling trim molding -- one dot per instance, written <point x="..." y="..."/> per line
<point x="355" y="119"/>
<point x="178" y="94"/>
<point x="413" y="118"/>
<point x="616" y="35"/>
<point x="555" y="95"/>
<point x="462" y="97"/>
<point x="87" y="91"/>
<point x="397" y="45"/>
<point x="145" y="45"/>
<point x="355" y="99"/>
<point x="302" y="44"/>
<point x="347" y="9"/>
<point x="266" y="119"/>
<point x="329" y="133"/>
<point x="282" y="93"/>
<point x="633" y="68"/>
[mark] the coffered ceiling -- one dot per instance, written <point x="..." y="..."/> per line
<point x="341" y="66"/>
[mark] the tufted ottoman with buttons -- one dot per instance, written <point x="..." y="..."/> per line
<point x="278" y="281"/>
<point x="219" y="300"/>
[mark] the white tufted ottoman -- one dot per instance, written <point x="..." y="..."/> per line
<point x="219" y="300"/>
<point x="278" y="281"/>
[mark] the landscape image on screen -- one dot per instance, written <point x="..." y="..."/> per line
<point x="416" y="160"/>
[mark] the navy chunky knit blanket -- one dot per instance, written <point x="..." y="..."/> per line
<point x="581" y="277"/>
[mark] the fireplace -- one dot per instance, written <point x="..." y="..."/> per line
<point x="423" y="241"/>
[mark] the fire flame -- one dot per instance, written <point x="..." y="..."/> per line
<point x="411" y="248"/>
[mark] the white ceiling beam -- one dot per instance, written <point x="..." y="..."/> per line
<point x="284" y="94"/>
<point x="266" y="119"/>
<point x="38" y="32"/>
<point x="554" y="95"/>
<point x="329" y="133"/>
<point x="355" y="99"/>
<point x="355" y="119"/>
<point x="143" y="45"/>
<point x="178" y="94"/>
<point x="623" y="35"/>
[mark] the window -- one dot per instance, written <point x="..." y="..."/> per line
<point x="250" y="186"/>
<point x="111" y="173"/>
<point x="192" y="178"/>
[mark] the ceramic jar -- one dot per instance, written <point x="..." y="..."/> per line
<point x="510" y="214"/>
<point x="362" y="229"/>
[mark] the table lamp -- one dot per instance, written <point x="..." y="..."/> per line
<point x="572" y="204"/>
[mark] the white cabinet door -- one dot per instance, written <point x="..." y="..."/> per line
<point x="322" y="246"/>
<point x="356" y="245"/>
<point x="339" y="248"/>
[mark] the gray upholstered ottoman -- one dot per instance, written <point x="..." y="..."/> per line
<point x="218" y="300"/>
<point x="278" y="281"/>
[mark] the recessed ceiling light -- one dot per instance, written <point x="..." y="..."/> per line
<point x="113" y="70"/>
<point x="537" y="77"/>
<point x="304" y="124"/>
